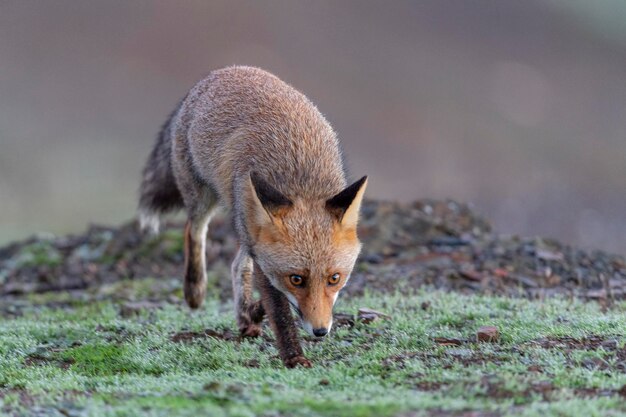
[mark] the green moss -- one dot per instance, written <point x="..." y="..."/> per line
<point x="170" y="243"/>
<point x="40" y="253"/>
<point x="173" y="241"/>
<point x="106" y="359"/>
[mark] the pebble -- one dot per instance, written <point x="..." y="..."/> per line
<point x="488" y="334"/>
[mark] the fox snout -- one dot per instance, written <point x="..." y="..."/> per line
<point x="317" y="331"/>
<point x="315" y="326"/>
<point x="317" y="317"/>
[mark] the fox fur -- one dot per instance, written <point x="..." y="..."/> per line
<point x="244" y="140"/>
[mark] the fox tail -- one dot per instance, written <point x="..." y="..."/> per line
<point x="158" y="193"/>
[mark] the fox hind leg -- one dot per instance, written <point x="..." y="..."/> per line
<point x="195" y="257"/>
<point x="201" y="201"/>
<point x="249" y="313"/>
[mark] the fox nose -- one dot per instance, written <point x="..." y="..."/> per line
<point x="322" y="331"/>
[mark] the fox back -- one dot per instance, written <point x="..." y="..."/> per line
<point x="243" y="119"/>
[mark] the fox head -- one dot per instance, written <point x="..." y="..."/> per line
<point x="307" y="249"/>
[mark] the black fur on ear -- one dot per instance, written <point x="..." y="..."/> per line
<point x="271" y="199"/>
<point x="338" y="204"/>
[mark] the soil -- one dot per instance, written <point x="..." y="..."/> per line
<point x="613" y="359"/>
<point x="440" y="244"/>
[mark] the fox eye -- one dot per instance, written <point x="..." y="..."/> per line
<point x="334" y="279"/>
<point x="296" y="280"/>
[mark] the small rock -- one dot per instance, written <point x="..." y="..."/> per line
<point x="253" y="363"/>
<point x="132" y="308"/>
<point x="234" y="389"/>
<point x="446" y="341"/>
<point x="488" y="334"/>
<point x="471" y="275"/>
<point x="367" y="315"/>
<point x="548" y="255"/>
<point x="343" y="319"/>
<point x="212" y="386"/>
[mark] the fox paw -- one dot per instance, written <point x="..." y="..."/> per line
<point x="251" y="330"/>
<point x="298" y="360"/>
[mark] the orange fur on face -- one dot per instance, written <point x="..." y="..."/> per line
<point x="273" y="234"/>
<point x="344" y="235"/>
<point x="308" y="241"/>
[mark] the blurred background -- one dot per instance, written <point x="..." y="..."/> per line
<point x="516" y="107"/>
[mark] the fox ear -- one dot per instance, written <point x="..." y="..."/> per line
<point x="345" y="205"/>
<point x="268" y="198"/>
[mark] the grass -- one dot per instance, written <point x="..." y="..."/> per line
<point x="90" y="359"/>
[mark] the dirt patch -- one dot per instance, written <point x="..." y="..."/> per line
<point x="422" y="385"/>
<point x="189" y="336"/>
<point x="613" y="360"/>
<point x="447" y="359"/>
<point x="597" y="392"/>
<point x="493" y="387"/>
<point x="456" y="353"/>
<point x="30" y="402"/>
<point x="48" y="356"/>
<point x="35" y="360"/>
<point x="568" y="343"/>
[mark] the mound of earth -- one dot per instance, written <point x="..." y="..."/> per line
<point x="441" y="244"/>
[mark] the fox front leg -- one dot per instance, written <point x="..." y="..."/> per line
<point x="278" y="311"/>
<point x="248" y="312"/>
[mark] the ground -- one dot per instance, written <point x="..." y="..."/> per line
<point x="95" y="325"/>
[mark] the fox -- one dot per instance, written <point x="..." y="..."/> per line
<point x="244" y="141"/>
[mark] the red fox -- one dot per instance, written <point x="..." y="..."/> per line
<point x="244" y="140"/>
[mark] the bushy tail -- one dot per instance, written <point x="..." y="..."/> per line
<point x="158" y="193"/>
